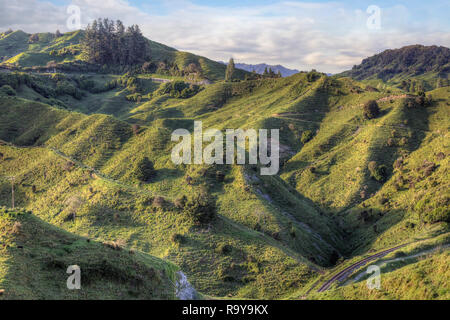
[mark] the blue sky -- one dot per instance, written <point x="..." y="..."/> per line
<point x="329" y="36"/>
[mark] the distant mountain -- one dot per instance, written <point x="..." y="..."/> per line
<point x="428" y="63"/>
<point x="259" y="68"/>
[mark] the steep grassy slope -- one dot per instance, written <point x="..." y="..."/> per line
<point x="35" y="256"/>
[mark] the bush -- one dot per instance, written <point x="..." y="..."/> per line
<point x="201" y="208"/>
<point x="145" y="170"/>
<point x="312" y="76"/>
<point x="7" y="90"/>
<point x="180" y="202"/>
<point x="224" y="248"/>
<point x="378" y="173"/>
<point x="220" y="176"/>
<point x="371" y="109"/>
<point x="306" y="136"/>
<point x="136" y="128"/>
<point x="178" y="238"/>
<point x="179" y="89"/>
<point x="159" y="202"/>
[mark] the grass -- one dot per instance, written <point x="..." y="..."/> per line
<point x="425" y="278"/>
<point x="74" y="159"/>
<point x="35" y="256"/>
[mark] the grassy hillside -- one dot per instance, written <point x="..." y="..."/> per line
<point x="109" y="203"/>
<point x="36" y="255"/>
<point x="17" y="50"/>
<point x="413" y="68"/>
<point x="422" y="278"/>
<point x="75" y="142"/>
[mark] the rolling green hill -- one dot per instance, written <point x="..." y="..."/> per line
<point x="76" y="143"/>
<point x="17" y="50"/>
<point x="412" y="68"/>
<point x="35" y="257"/>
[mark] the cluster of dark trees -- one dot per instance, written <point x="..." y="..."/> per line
<point x="108" y="42"/>
<point x="271" y="74"/>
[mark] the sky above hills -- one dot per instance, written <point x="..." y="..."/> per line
<point x="328" y="36"/>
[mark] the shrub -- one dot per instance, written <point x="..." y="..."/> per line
<point x="390" y="142"/>
<point x="224" y="248"/>
<point x="136" y="128"/>
<point x="179" y="89"/>
<point x="312" y="76"/>
<point x="145" y="170"/>
<point x="17" y="227"/>
<point x="33" y="38"/>
<point x="201" y="208"/>
<point x="68" y="166"/>
<point x="398" y="164"/>
<point x="378" y="173"/>
<point x="7" y="90"/>
<point x="180" y="202"/>
<point x="371" y="109"/>
<point x="220" y="176"/>
<point x="306" y="136"/>
<point x="411" y="102"/>
<point x="439" y="156"/>
<point x="159" y="202"/>
<point x="178" y="238"/>
<point x="292" y="232"/>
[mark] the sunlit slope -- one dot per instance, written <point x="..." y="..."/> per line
<point x="269" y="246"/>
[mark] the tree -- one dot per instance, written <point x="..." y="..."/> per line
<point x="230" y="70"/>
<point x="145" y="170"/>
<point x="371" y="109"/>
<point x="58" y="34"/>
<point x="107" y="42"/>
<point x="377" y="172"/>
<point x="201" y="208"/>
<point x="33" y="38"/>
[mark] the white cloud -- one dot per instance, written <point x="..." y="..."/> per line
<point x="326" y="36"/>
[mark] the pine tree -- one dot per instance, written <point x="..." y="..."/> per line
<point x="230" y="70"/>
<point x="106" y="42"/>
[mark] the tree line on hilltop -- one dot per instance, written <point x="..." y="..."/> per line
<point x="109" y="42"/>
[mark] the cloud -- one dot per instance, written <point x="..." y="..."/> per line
<point x="327" y="36"/>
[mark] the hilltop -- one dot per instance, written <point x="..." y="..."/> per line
<point x="261" y="67"/>
<point x="49" y="51"/>
<point x="424" y="67"/>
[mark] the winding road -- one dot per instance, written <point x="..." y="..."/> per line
<point x="342" y="275"/>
